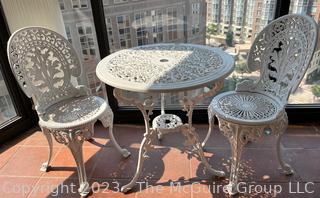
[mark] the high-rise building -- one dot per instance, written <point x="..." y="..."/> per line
<point x="132" y="23"/>
<point x="245" y="18"/>
<point x="311" y="8"/>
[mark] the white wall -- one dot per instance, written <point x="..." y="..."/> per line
<point x="22" y="13"/>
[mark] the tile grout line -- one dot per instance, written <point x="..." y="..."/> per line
<point x="94" y="167"/>
<point x="41" y="176"/>
<point x="190" y="173"/>
<point x="36" y="183"/>
<point x="13" y="155"/>
<point x="18" y="176"/>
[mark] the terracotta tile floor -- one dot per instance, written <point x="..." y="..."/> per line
<point x="168" y="165"/>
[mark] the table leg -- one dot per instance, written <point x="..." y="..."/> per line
<point x="146" y="108"/>
<point x="188" y="130"/>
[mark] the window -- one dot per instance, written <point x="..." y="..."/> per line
<point x="120" y="1"/>
<point x="7" y="110"/>
<point x="157" y="26"/>
<point x="81" y="33"/>
<point x="61" y="5"/>
<point x="195" y="8"/>
<point x="172" y="24"/>
<point x="309" y="89"/>
<point x="79" y="4"/>
<point x="183" y="21"/>
<point x="141" y="29"/>
<point x="87" y="41"/>
<point x="179" y="21"/>
<point x="83" y="3"/>
<point x="68" y="33"/>
<point x="93" y="82"/>
<point x="75" y="4"/>
<point x="110" y="34"/>
<point x="195" y="18"/>
<point x="124" y="30"/>
<point x="248" y="19"/>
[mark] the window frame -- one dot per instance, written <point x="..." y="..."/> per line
<point x="297" y="113"/>
<point x="26" y="117"/>
<point x="79" y="4"/>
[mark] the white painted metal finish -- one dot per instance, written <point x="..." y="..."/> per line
<point x="44" y="64"/>
<point x="165" y="67"/>
<point x="282" y="52"/>
<point x="155" y="69"/>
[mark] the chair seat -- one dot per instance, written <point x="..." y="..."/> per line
<point x="245" y="107"/>
<point x="74" y="112"/>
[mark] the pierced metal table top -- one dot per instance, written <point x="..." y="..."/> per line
<point x="164" y="67"/>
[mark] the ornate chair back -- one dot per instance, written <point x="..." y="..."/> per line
<point x="282" y="51"/>
<point x="45" y="65"/>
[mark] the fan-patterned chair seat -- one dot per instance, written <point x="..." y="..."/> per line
<point x="282" y="52"/>
<point x="47" y="69"/>
<point x="246" y="107"/>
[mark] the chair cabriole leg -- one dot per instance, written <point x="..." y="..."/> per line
<point x="75" y="146"/>
<point x="45" y="166"/>
<point x="237" y="142"/>
<point x="107" y="121"/>
<point x="211" y="123"/>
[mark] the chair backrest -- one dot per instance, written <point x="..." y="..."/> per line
<point x="282" y="51"/>
<point x="44" y="64"/>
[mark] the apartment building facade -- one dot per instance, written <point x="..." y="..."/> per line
<point x="311" y="8"/>
<point x="245" y="18"/>
<point x="132" y="23"/>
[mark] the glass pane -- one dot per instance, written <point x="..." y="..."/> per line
<point x="230" y="25"/>
<point x="7" y="110"/>
<point x="309" y="89"/>
<point x="80" y="31"/>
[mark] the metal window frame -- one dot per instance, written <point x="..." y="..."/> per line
<point x="26" y="117"/>
<point x="302" y="113"/>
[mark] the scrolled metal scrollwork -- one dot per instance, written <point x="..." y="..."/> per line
<point x="180" y="63"/>
<point x="68" y="135"/>
<point x="44" y="63"/>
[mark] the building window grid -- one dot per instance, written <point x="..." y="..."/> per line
<point x="76" y="4"/>
<point x="68" y="33"/>
<point x="120" y="1"/>
<point x="110" y="34"/>
<point x="62" y="5"/>
<point x="196" y="18"/>
<point x="195" y="8"/>
<point x="123" y="24"/>
<point x="141" y="29"/>
<point x="196" y="26"/>
<point x="87" y="42"/>
<point x="93" y="82"/>
<point x="172" y="24"/>
<point x="157" y="26"/>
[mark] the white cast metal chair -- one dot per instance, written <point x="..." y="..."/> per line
<point x="47" y="68"/>
<point x="282" y="52"/>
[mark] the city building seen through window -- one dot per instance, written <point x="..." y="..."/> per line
<point x="227" y="24"/>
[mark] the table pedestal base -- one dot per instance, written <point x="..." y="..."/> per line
<point x="152" y="133"/>
<point x="166" y="123"/>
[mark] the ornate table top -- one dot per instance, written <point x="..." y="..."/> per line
<point x="164" y="67"/>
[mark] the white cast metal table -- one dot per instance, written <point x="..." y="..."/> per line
<point x="165" y="68"/>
